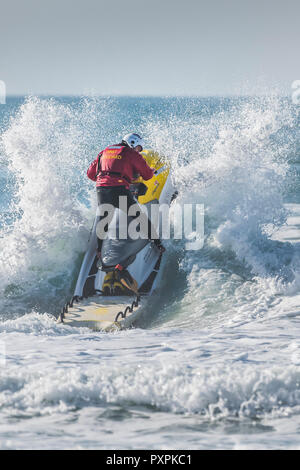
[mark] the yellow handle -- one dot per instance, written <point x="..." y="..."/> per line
<point x="137" y="180"/>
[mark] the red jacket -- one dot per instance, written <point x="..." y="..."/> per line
<point x="125" y="162"/>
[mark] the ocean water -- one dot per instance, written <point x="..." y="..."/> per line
<point x="214" y="360"/>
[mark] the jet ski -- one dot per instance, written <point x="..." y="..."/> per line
<point x="110" y="292"/>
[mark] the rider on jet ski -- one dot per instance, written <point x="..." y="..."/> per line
<point x="114" y="169"/>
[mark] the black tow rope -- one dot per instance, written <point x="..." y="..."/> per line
<point x="129" y="308"/>
<point x="75" y="298"/>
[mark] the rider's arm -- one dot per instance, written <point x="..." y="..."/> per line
<point x="92" y="170"/>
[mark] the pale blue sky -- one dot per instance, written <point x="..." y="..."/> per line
<point x="153" y="47"/>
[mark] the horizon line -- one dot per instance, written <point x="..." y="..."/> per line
<point x="83" y="95"/>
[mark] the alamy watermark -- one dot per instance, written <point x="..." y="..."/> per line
<point x="178" y="222"/>
<point x="296" y="93"/>
<point x="2" y="92"/>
